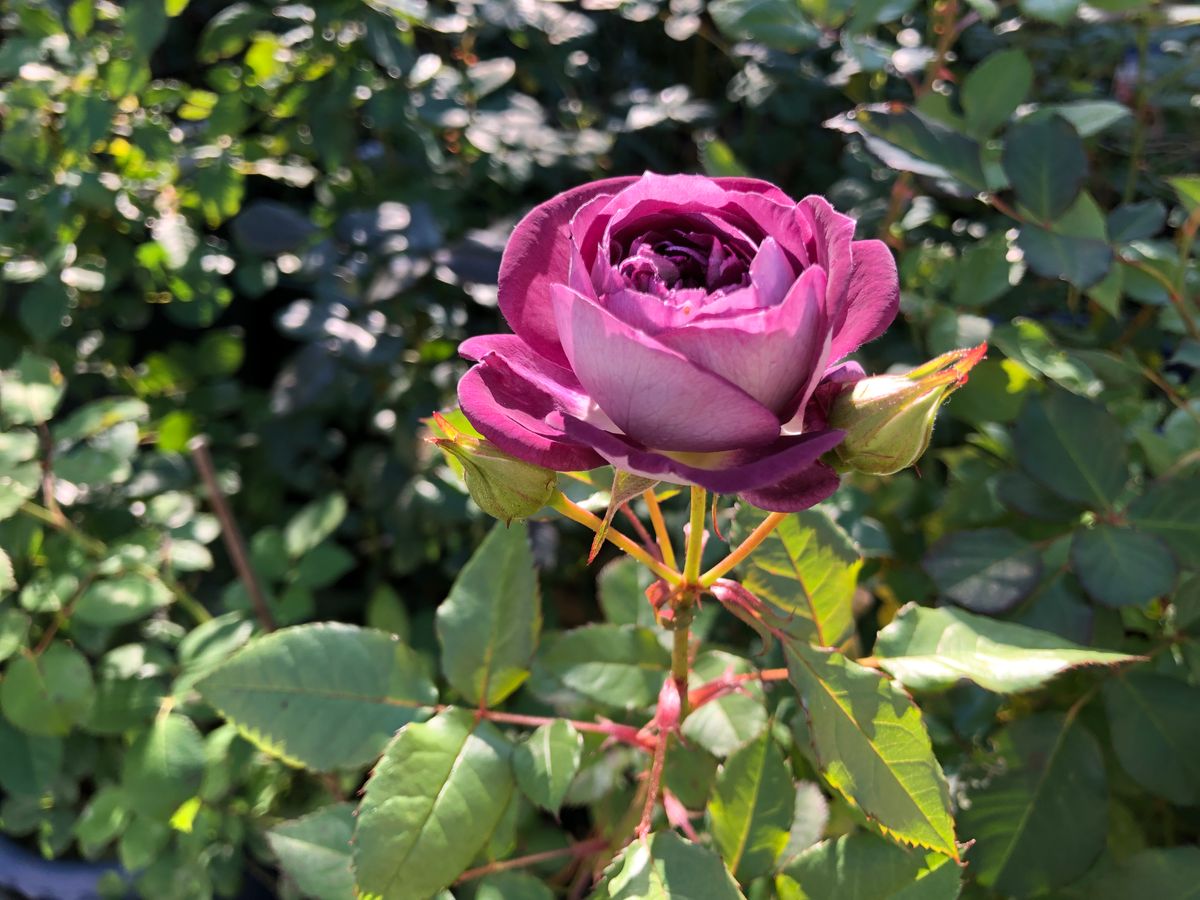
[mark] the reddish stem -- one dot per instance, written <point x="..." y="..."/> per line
<point x="575" y="851"/>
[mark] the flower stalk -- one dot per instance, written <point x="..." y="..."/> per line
<point x="576" y="513"/>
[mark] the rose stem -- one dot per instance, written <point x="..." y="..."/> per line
<point x="756" y="537"/>
<point x="660" y="528"/>
<point x="577" y="513"/>
<point x="583" y="848"/>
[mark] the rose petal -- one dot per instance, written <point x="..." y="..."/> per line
<point x="771" y="275"/>
<point x="728" y="473"/>
<point x="806" y="488"/>
<point x="537" y="256"/>
<point x="831" y="248"/>
<point x="872" y="298"/>
<point x="769" y="353"/>
<point x="654" y="394"/>
<point x="519" y="404"/>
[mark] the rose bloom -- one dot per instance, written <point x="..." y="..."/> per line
<point x="681" y="328"/>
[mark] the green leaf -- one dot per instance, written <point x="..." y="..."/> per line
<point x="989" y="570"/>
<point x="808" y="569"/>
<point x="29" y="765"/>
<point x="778" y="24"/>
<point x="18" y="484"/>
<point x="14" y="630"/>
<point x="1155" y="732"/>
<point x="861" y="866"/>
<point x="489" y="625"/>
<point x="430" y="806"/>
<point x="809" y="821"/>
<point x="982" y="276"/>
<point x="102" y="820"/>
<point x="100" y="415"/>
<point x="1122" y="567"/>
<point x="121" y="600"/>
<point x="664" y="866"/>
<point x="1045" y="163"/>
<point x="1059" y="12"/>
<point x="1082" y="261"/>
<point x="30" y="391"/>
<point x="723" y="725"/>
<point x="1171" y="510"/>
<point x="277" y="687"/>
<point x="1039" y="822"/>
<point x="616" y="665"/>
<point x="1163" y="873"/>
<point x="164" y="767"/>
<point x="911" y="141"/>
<point x="48" y="694"/>
<point x="315" y="522"/>
<point x="994" y="89"/>
<point x="932" y="649"/>
<point x="1088" y="116"/>
<point x="622" y="587"/>
<point x="512" y="886"/>
<point x="1073" y="447"/>
<point x="750" y="811"/>
<point x="314" y="851"/>
<point x="546" y="763"/>
<point x="871" y="745"/>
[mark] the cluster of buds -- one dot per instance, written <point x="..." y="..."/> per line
<point x="888" y="419"/>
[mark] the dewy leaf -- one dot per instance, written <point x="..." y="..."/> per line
<point x="617" y="665"/>
<point x="989" y="570"/>
<point x="861" y="866"/>
<point x="546" y="763"/>
<point x="1156" y="733"/>
<point x="31" y="390"/>
<point x="807" y="568"/>
<point x="750" y="811"/>
<point x="277" y="687"/>
<point x="1171" y="510"/>
<point x="932" y="649"/>
<point x="314" y="851"/>
<point x="664" y="866"/>
<point x="994" y="89"/>
<point x="1122" y="567"/>
<point x="164" y="767"/>
<point x="1040" y="822"/>
<point x="1073" y="447"/>
<point x="49" y="694"/>
<point x="1045" y="163"/>
<point x="488" y="627"/>
<point x="430" y="806"/>
<point x="871" y="744"/>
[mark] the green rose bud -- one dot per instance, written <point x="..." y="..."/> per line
<point x="502" y="486"/>
<point x="888" y="419"/>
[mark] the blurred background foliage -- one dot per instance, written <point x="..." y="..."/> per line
<point x="271" y="225"/>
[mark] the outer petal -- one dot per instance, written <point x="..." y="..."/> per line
<point x="519" y="405"/>
<point x="537" y="256"/>
<point x="833" y="235"/>
<point x="770" y="353"/>
<point x="872" y="298"/>
<point x="653" y="393"/>
<point x="806" y="488"/>
<point x="737" y="473"/>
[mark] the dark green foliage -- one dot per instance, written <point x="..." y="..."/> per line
<point x="269" y="226"/>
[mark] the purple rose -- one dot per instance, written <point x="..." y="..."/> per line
<point x="678" y="327"/>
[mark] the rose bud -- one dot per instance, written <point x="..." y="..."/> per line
<point x="678" y="328"/>
<point x="888" y="419"/>
<point x="501" y="485"/>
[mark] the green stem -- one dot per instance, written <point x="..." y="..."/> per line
<point x="576" y="513"/>
<point x="695" y="542"/>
